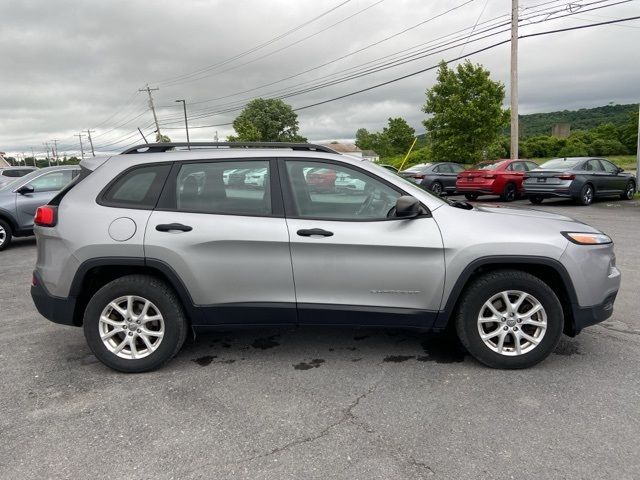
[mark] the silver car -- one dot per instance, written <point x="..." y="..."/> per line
<point x="20" y="197"/>
<point x="138" y="257"/>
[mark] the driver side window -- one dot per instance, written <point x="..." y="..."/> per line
<point x="327" y="191"/>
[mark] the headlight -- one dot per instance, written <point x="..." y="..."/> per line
<point x="582" y="238"/>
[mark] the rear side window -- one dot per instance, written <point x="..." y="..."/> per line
<point x="138" y="188"/>
<point x="224" y="188"/>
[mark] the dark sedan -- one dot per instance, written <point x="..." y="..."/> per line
<point x="439" y="177"/>
<point x="579" y="178"/>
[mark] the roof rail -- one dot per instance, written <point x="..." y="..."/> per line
<point x="163" y="147"/>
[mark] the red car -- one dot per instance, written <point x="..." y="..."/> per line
<point x="494" y="177"/>
<point x="321" y="179"/>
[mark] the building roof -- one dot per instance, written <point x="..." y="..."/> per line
<point x="343" y="147"/>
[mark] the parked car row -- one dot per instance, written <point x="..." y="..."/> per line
<point x="578" y="178"/>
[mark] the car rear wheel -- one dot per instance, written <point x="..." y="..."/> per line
<point x="629" y="191"/>
<point x="5" y="234"/>
<point x="536" y="200"/>
<point x="135" y="324"/>
<point x="436" y="188"/>
<point x="471" y="196"/>
<point x="509" y="193"/>
<point x="509" y="319"/>
<point x="586" y="195"/>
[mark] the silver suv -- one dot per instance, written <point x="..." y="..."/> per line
<point x="20" y="197"/>
<point x="158" y="240"/>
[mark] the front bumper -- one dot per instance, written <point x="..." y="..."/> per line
<point x="586" y="316"/>
<point x="56" y="309"/>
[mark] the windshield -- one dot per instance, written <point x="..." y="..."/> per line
<point x="559" y="163"/>
<point x="486" y="165"/>
<point x="15" y="182"/>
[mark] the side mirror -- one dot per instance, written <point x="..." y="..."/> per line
<point x="620" y="170"/>
<point x="25" y="189"/>
<point x="407" y="207"/>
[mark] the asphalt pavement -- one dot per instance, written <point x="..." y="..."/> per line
<point x="323" y="403"/>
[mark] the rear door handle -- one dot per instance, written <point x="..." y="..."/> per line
<point x="314" y="231"/>
<point x="167" y="227"/>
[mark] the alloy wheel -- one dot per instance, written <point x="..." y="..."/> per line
<point x="512" y="322"/>
<point x="587" y="195"/>
<point x="3" y="235"/>
<point x="131" y="327"/>
<point x="631" y="189"/>
<point x="437" y="188"/>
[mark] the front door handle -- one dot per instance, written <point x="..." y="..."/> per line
<point x="167" y="227"/>
<point x="314" y="231"/>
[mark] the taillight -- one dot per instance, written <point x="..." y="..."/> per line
<point x="566" y="176"/>
<point x="490" y="175"/>
<point x="45" y="216"/>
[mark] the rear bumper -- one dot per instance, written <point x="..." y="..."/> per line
<point x="56" y="309"/>
<point x="475" y="189"/>
<point x="586" y="316"/>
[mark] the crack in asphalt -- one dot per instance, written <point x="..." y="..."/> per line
<point x="347" y="416"/>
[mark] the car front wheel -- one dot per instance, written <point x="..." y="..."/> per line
<point x="509" y="193"/>
<point x="135" y="324"/>
<point x="629" y="191"/>
<point x="509" y="319"/>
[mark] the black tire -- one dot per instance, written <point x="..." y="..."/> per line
<point x="586" y="195"/>
<point x="168" y="305"/>
<point x="7" y="236"/>
<point x="510" y="193"/>
<point x="482" y="289"/>
<point x="536" y="200"/>
<point x="629" y="192"/>
<point x="436" y="188"/>
<point x="471" y="196"/>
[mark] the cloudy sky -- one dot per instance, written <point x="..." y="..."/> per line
<point x="74" y="65"/>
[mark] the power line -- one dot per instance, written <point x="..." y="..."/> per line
<point x="416" y="55"/>
<point x="286" y="46"/>
<point x="256" y="48"/>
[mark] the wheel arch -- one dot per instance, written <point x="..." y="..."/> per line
<point x="95" y="273"/>
<point x="549" y="270"/>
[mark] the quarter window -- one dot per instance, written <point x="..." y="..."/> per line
<point x="232" y="188"/>
<point x="336" y="192"/>
<point x="137" y="188"/>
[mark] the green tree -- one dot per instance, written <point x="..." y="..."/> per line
<point x="467" y="113"/>
<point x="162" y="138"/>
<point x="398" y="135"/>
<point x="629" y="131"/>
<point x="266" y="120"/>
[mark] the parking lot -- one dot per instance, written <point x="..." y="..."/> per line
<point x="314" y="403"/>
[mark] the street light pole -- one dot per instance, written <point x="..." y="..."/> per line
<point x="514" y="79"/>
<point x="186" y="124"/>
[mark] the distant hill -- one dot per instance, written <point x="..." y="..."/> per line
<point x="583" y="119"/>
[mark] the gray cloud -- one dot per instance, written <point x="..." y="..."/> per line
<point x="70" y="65"/>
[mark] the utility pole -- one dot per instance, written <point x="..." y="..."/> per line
<point x="55" y="151"/>
<point x="514" y="79"/>
<point x="143" y="137"/>
<point x="80" y="135"/>
<point x="638" y="153"/>
<point x="33" y="157"/>
<point x="46" y="146"/>
<point x="186" y="125"/>
<point x="151" y="106"/>
<point x="91" y="142"/>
